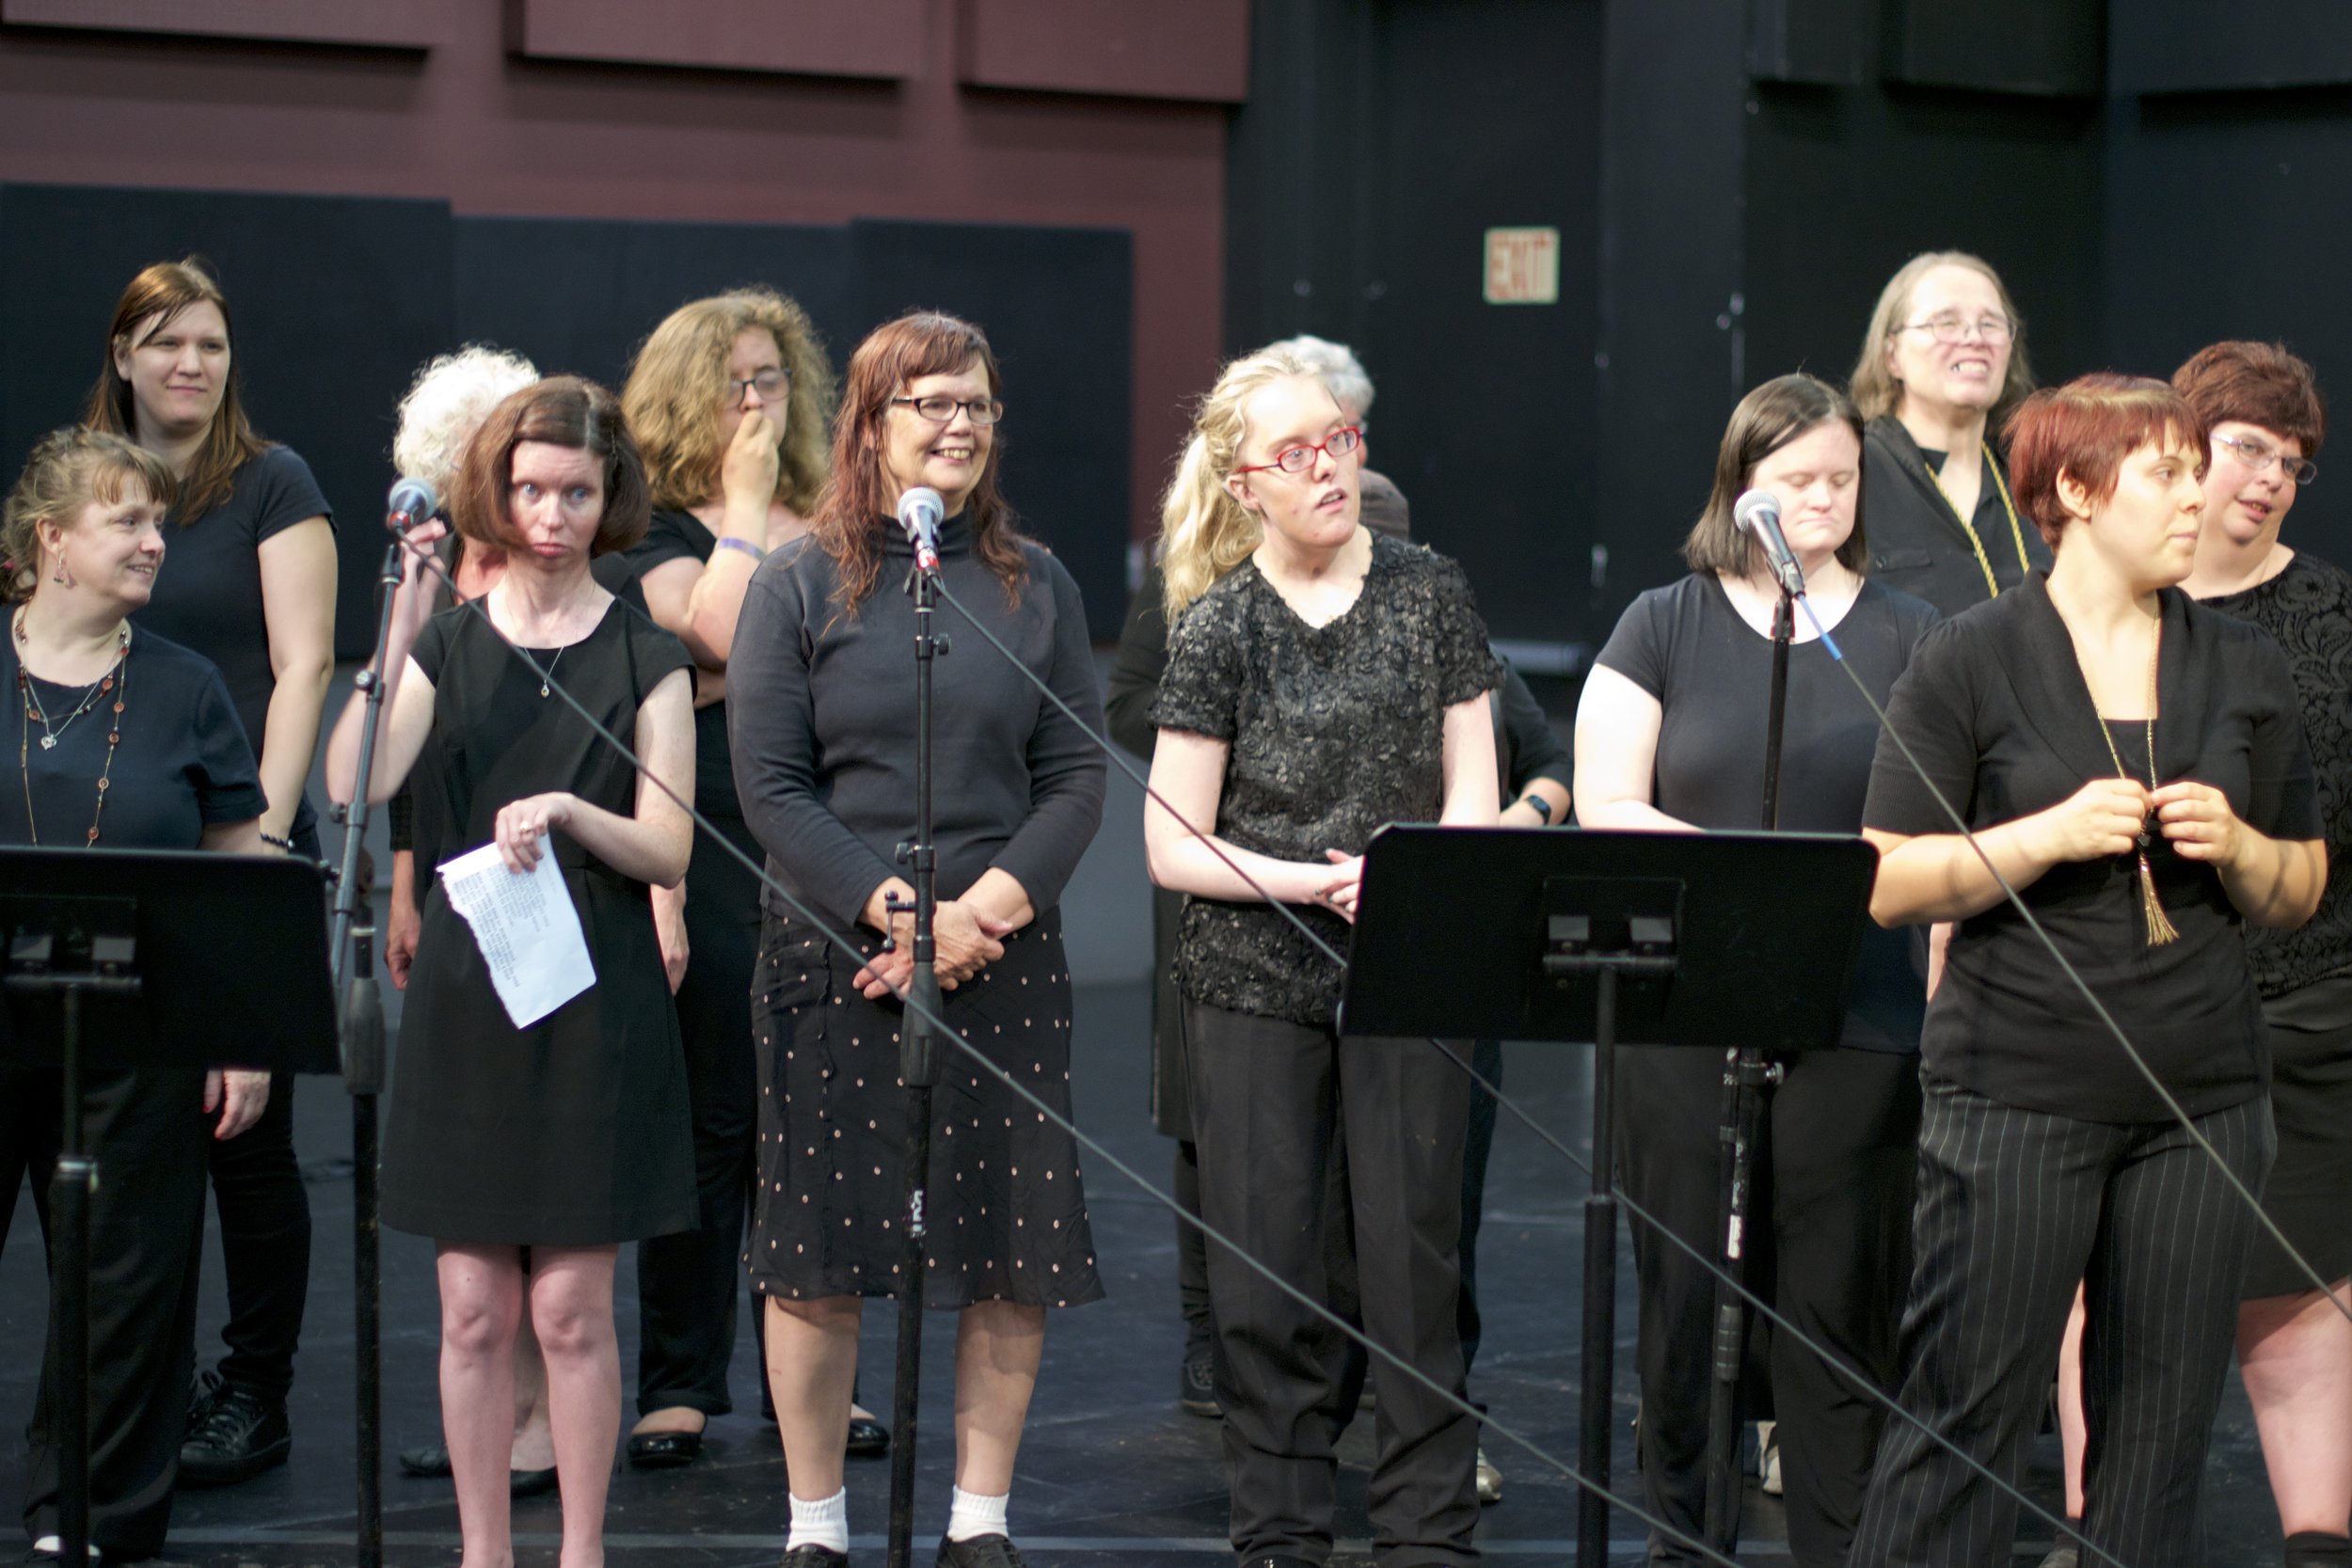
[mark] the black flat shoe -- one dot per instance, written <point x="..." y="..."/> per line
<point x="982" y="1551"/>
<point x="430" y="1462"/>
<point x="529" y="1483"/>
<point x="814" y="1557"/>
<point x="868" y="1439"/>
<point x="664" y="1451"/>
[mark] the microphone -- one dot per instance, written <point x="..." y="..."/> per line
<point x="411" y="502"/>
<point x="920" y="511"/>
<point x="1757" y="514"/>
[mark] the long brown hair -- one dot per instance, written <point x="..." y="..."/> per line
<point x="163" y="289"/>
<point x="859" y="495"/>
<point x="1784" y="410"/>
<point x="679" y="380"/>
<point x="563" y="411"/>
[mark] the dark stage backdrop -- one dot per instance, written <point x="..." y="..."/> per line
<point x="338" y="300"/>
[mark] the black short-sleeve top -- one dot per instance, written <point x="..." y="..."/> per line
<point x="183" y="764"/>
<point x="1687" y="645"/>
<point x="1995" y="711"/>
<point x="208" y="593"/>
<point x="2308" y="607"/>
<point x="1335" y="731"/>
<point x="820" y="716"/>
<point x="673" y="535"/>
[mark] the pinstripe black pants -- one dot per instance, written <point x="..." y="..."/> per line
<point x="2014" y="1207"/>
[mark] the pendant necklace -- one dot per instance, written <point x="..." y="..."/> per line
<point x="548" y="673"/>
<point x="2160" y="926"/>
<point x="118" y="682"/>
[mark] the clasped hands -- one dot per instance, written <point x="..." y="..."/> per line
<point x="1339" y="891"/>
<point x="965" y="941"/>
<point x="2106" y="817"/>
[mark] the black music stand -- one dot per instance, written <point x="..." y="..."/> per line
<point x="168" y="957"/>
<point x="1723" y="940"/>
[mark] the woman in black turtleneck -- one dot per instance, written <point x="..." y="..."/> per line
<point x="822" y="720"/>
<point x="1942" y="357"/>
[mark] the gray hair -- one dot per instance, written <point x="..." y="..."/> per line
<point x="447" y="404"/>
<point x="1337" y="364"/>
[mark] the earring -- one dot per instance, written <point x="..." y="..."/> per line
<point x="62" y="577"/>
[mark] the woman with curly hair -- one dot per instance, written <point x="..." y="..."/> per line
<point x="729" y="398"/>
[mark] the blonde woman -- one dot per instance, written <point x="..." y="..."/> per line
<point x="1379" y="715"/>
<point x="729" y="398"/>
<point x="1943" y="359"/>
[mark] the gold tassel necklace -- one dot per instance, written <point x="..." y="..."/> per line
<point x="2160" y="926"/>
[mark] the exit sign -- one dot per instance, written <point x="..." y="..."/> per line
<point x="1522" y="266"/>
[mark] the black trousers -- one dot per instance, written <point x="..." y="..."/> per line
<point x="147" y="1223"/>
<point x="1270" y="1099"/>
<point x="688" y="1284"/>
<point x="265" y="1245"/>
<point x="2014" y="1206"/>
<point x="1829" y="1214"/>
<point x="1478" y="1146"/>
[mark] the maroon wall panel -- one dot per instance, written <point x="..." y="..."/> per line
<point x="400" y="23"/>
<point x="819" y="38"/>
<point x="491" y="133"/>
<point x="1129" y="48"/>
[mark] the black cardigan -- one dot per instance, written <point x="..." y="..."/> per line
<point x="1917" y="545"/>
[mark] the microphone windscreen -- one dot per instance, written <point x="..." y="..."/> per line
<point x="919" y="506"/>
<point x="413" y="499"/>
<point x="1752" y="505"/>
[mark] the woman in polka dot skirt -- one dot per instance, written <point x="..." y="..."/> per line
<point x="821" y="712"/>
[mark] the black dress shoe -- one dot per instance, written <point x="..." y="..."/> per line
<point x="868" y="1437"/>
<point x="982" y="1551"/>
<point x="241" y="1435"/>
<point x="814" y="1555"/>
<point x="664" y="1451"/>
<point x="1196" y="1385"/>
<point x="432" y="1459"/>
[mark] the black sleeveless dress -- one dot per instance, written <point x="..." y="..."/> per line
<point x="574" y="1132"/>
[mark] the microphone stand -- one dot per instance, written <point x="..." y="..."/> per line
<point x="360" y="1006"/>
<point x="1745" y="1074"/>
<point x="917" y="1067"/>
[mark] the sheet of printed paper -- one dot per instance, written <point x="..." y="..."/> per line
<point x="526" y="927"/>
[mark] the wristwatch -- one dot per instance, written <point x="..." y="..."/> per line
<point x="1541" y="807"/>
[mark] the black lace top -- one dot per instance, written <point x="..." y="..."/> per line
<point x="1335" y="731"/>
<point x="2308" y="607"/>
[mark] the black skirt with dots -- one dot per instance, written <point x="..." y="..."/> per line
<point x="1007" y="1210"/>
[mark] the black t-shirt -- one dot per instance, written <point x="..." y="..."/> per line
<point x="208" y="596"/>
<point x="2308" y="607"/>
<point x="1335" y="731"/>
<point x="1996" y="710"/>
<point x="682" y="536"/>
<point x="1686" y="645"/>
<point x="183" y="764"/>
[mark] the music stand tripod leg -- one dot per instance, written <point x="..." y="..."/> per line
<point x="1599" y="1358"/>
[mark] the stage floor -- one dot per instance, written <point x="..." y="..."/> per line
<point x="1111" y="1471"/>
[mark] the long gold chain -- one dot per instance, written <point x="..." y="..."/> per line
<point x="2160" y="926"/>
<point x="2017" y="529"/>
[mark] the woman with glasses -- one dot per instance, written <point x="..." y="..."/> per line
<point x="1942" y="361"/>
<point x="1321" y="681"/>
<point x="1670" y="736"/>
<point x="822" y="720"/>
<point x="728" y="400"/>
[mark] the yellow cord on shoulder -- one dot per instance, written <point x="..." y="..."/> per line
<point x="2016" y="531"/>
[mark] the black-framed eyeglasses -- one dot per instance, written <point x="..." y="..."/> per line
<point x="771" y="384"/>
<point x="1298" y="460"/>
<point x="940" y="408"/>
<point x="1950" y="326"/>
<point x="2259" y="458"/>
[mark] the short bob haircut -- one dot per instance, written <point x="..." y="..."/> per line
<point x="1875" y="392"/>
<point x="68" y="470"/>
<point x="563" y="411"/>
<point x="2085" y="430"/>
<point x="1780" y="411"/>
<point x="2257" y="384"/>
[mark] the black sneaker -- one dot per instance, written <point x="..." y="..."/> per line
<point x="982" y="1551"/>
<point x="814" y="1555"/>
<point x="203" y="1386"/>
<point x="241" y="1435"/>
<point x="1196" y="1385"/>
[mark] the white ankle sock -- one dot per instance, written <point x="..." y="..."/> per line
<point x="969" y="1516"/>
<point x="822" y="1523"/>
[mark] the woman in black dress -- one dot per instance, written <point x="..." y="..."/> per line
<point x="124" y="741"/>
<point x="823" y="727"/>
<point x="729" y="398"/>
<point x="568" y="1136"/>
<point x="1669" y="735"/>
<point x="1321" y="681"/>
<point x="1942" y="361"/>
<point x="2263" y="406"/>
<point x="2133" y="763"/>
<point x="251" y="588"/>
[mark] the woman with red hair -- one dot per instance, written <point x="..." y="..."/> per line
<point x="2134" y="765"/>
<point x="821" y="714"/>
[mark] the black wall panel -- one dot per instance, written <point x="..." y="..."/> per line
<point x="335" y="299"/>
<point x="2042" y="48"/>
<point x="2196" y="46"/>
<point x="1055" y="303"/>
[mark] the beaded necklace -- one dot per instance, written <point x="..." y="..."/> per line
<point x="116" y="681"/>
